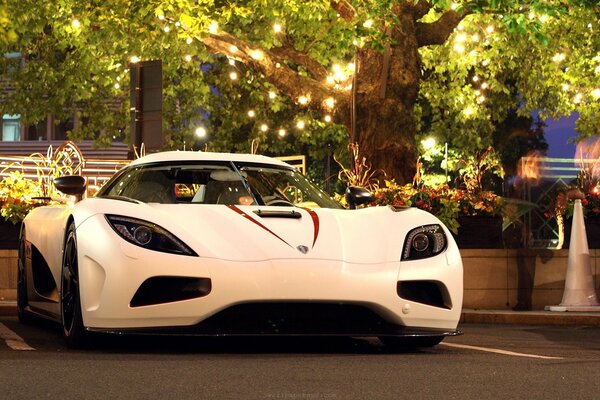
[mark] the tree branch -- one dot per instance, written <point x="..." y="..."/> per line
<point x="421" y="9"/>
<point x="344" y="8"/>
<point x="438" y="32"/>
<point x="271" y="65"/>
<point x="288" y="52"/>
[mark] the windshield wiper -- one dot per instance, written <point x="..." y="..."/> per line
<point x="244" y="182"/>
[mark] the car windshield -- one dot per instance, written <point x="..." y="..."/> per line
<point x="217" y="183"/>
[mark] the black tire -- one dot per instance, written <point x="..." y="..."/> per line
<point x="22" y="298"/>
<point x="411" y="342"/>
<point x="70" y="301"/>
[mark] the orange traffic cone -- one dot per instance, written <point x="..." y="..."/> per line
<point x="579" y="293"/>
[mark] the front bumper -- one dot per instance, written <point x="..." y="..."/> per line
<point x="278" y="296"/>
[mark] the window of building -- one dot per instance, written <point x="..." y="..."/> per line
<point x="38" y="131"/>
<point x="11" y="131"/>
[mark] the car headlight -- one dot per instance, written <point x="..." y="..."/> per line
<point x="148" y="235"/>
<point x="425" y="241"/>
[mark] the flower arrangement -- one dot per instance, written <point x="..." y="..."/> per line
<point x="445" y="203"/>
<point x="561" y="204"/>
<point x="483" y="203"/>
<point x="18" y="196"/>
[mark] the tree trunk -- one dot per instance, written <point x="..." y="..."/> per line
<point x="386" y="92"/>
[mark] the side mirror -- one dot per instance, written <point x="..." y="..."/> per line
<point x="355" y="196"/>
<point x="73" y="185"/>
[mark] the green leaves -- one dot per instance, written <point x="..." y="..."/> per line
<point x="533" y="54"/>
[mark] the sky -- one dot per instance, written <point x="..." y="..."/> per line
<point x="557" y="134"/>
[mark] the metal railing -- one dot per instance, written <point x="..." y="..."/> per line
<point x="541" y="179"/>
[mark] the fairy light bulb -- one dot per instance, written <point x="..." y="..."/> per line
<point x="277" y="28"/>
<point x="329" y="102"/>
<point x="251" y="113"/>
<point x="213" y="28"/>
<point x="76" y="24"/>
<point x="303" y="100"/>
<point x="188" y="58"/>
<point x="272" y="95"/>
<point x="460" y="38"/>
<point x="200" y="131"/>
<point x="300" y="124"/>
<point x="368" y="23"/>
<point x="264" y="128"/>
<point x="256" y="54"/>
<point x="327" y="118"/>
<point x="281" y="132"/>
<point x="233" y="75"/>
<point x="189" y="40"/>
<point x="134" y="59"/>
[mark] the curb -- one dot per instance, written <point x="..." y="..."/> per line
<point x="548" y="318"/>
<point x="8" y="308"/>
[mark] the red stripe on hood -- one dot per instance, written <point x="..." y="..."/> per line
<point x="243" y="214"/>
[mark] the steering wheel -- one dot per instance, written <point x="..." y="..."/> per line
<point x="279" y="202"/>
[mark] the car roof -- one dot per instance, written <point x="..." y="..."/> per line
<point x="167" y="156"/>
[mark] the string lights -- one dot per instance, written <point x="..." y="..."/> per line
<point x="340" y="77"/>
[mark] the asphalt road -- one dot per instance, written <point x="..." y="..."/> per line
<point x="487" y="362"/>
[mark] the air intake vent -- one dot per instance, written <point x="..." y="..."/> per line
<point x="167" y="289"/>
<point x="432" y="293"/>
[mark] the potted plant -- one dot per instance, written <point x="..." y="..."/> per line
<point x="18" y="195"/>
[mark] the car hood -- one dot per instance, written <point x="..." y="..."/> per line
<point x="253" y="233"/>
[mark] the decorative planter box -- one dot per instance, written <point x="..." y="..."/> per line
<point x="479" y="232"/>
<point x="9" y="235"/>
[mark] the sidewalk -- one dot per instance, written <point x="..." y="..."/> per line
<point x="9" y="308"/>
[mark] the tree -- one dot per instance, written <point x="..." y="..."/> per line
<point x="7" y="35"/>
<point x="388" y="71"/>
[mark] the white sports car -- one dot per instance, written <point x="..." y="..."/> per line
<point x="230" y="244"/>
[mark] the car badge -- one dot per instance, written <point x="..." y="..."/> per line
<point x="302" y="249"/>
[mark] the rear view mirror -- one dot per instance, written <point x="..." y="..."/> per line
<point x="355" y="196"/>
<point x="73" y="185"/>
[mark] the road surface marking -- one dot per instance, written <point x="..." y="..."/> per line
<point x="13" y="340"/>
<point x="498" y="351"/>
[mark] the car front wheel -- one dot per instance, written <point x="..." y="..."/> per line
<point x="72" y="321"/>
